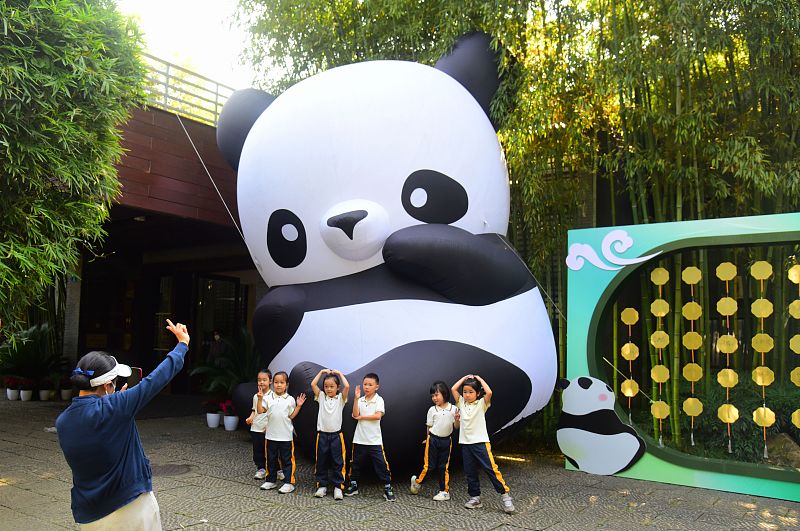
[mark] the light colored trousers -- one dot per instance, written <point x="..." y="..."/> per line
<point x="141" y="514"/>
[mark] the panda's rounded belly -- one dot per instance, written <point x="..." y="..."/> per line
<point x="346" y="338"/>
<point x="597" y="453"/>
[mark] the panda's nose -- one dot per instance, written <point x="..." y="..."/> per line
<point x="347" y="221"/>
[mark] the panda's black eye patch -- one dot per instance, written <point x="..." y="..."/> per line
<point x="609" y="388"/>
<point x="433" y="197"/>
<point x="286" y="238"/>
<point x="584" y="382"/>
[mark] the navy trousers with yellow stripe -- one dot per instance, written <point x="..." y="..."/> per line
<point x="330" y="455"/>
<point x="284" y="450"/>
<point x="437" y="457"/>
<point x="374" y="453"/>
<point x="476" y="457"/>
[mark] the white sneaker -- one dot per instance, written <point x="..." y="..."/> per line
<point x="414" y="487"/>
<point x="473" y="503"/>
<point x="508" y="505"/>
<point x="281" y="477"/>
<point x="321" y="492"/>
<point x="260" y="474"/>
<point x="268" y="485"/>
<point x="337" y="494"/>
<point x="442" y="496"/>
<point x="286" y="488"/>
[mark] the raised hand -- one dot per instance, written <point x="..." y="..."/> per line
<point x="358" y="392"/>
<point x="301" y="399"/>
<point x="180" y="331"/>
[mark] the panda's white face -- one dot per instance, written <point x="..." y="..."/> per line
<point x="585" y="395"/>
<point x="343" y="159"/>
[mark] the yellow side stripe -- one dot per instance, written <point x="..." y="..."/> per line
<point x="496" y="471"/>
<point x="341" y="438"/>
<point x="421" y="476"/>
<point x="447" y="468"/>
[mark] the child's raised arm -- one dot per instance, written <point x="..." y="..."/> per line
<point x="301" y="399"/>
<point x="355" y="402"/>
<point x="260" y="402"/>
<point x="315" y="381"/>
<point x="456" y="386"/>
<point x="345" y="384"/>
<point x="487" y="392"/>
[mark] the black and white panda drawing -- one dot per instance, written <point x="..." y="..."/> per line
<point x="374" y="200"/>
<point x="590" y="434"/>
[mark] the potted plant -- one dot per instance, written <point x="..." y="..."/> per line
<point x="45" y="389"/>
<point x="26" y="386"/>
<point x="12" y="387"/>
<point x="229" y="415"/>
<point x="66" y="387"/>
<point x="213" y="413"/>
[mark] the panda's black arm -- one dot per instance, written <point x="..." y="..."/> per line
<point x="276" y="319"/>
<point x="464" y="267"/>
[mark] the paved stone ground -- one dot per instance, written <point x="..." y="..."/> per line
<point x="202" y="481"/>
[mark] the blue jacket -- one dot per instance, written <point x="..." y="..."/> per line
<point x="100" y="441"/>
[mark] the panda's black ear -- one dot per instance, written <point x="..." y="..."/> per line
<point x="474" y="64"/>
<point x="238" y="115"/>
<point x="562" y="383"/>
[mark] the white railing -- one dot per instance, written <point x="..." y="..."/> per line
<point x="178" y="90"/>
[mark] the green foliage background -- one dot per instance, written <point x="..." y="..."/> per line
<point x="69" y="70"/>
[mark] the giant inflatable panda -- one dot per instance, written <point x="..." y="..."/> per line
<point x="374" y="200"/>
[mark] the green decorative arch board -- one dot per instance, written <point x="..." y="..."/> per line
<point x="599" y="260"/>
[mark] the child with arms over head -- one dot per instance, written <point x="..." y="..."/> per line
<point x="330" y="441"/>
<point x="258" y="424"/>
<point x="439" y="443"/>
<point x="367" y="440"/>
<point x="281" y="408"/>
<point x="473" y="401"/>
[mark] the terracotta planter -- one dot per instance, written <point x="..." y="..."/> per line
<point x="12" y="394"/>
<point x="213" y="419"/>
<point x="231" y="422"/>
<point x="44" y="394"/>
<point x="66" y="394"/>
<point x="26" y="394"/>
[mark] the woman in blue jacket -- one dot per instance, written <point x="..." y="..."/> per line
<point x="111" y="477"/>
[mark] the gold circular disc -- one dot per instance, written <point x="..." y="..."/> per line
<point x="692" y="311"/>
<point x="659" y="307"/>
<point x="794" y="308"/>
<point x="630" y="351"/>
<point x="692" y="340"/>
<point x="660" y="409"/>
<point x="796" y="418"/>
<point x="630" y="388"/>
<point x="659" y="374"/>
<point x="794" y="273"/>
<point x="727" y="306"/>
<point x="659" y="276"/>
<point x="726" y="271"/>
<point x="763" y="376"/>
<point x="762" y="343"/>
<point x="794" y="343"/>
<point x="691" y="275"/>
<point x="659" y="339"/>
<point x="727" y="344"/>
<point x="692" y="407"/>
<point x="761" y="308"/>
<point x="761" y="270"/>
<point x="727" y="378"/>
<point x="692" y="372"/>
<point x="764" y="417"/>
<point x="794" y="376"/>
<point x="629" y="316"/>
<point x="728" y="413"/>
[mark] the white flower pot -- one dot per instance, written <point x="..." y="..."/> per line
<point x="213" y="419"/>
<point x="12" y="394"/>
<point x="44" y="394"/>
<point x="231" y="422"/>
<point x="66" y="394"/>
<point x="26" y="394"/>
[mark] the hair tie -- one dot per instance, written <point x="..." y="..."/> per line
<point x="80" y="371"/>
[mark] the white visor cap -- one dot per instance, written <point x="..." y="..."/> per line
<point x="120" y="369"/>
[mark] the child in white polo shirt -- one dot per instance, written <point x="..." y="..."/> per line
<point x="439" y="443"/>
<point x="367" y="440"/>
<point x="258" y="424"/>
<point x="473" y="401"/>
<point x="281" y="408"/>
<point x="330" y="441"/>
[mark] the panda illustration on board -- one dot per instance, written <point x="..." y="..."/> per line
<point x="374" y="201"/>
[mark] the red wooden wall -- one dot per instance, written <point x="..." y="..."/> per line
<point x="160" y="171"/>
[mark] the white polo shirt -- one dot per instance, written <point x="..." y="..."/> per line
<point x="369" y="431"/>
<point x="473" y="421"/>
<point x="441" y="420"/>
<point x="329" y="418"/>
<point x="259" y="419"/>
<point x="279" y="425"/>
